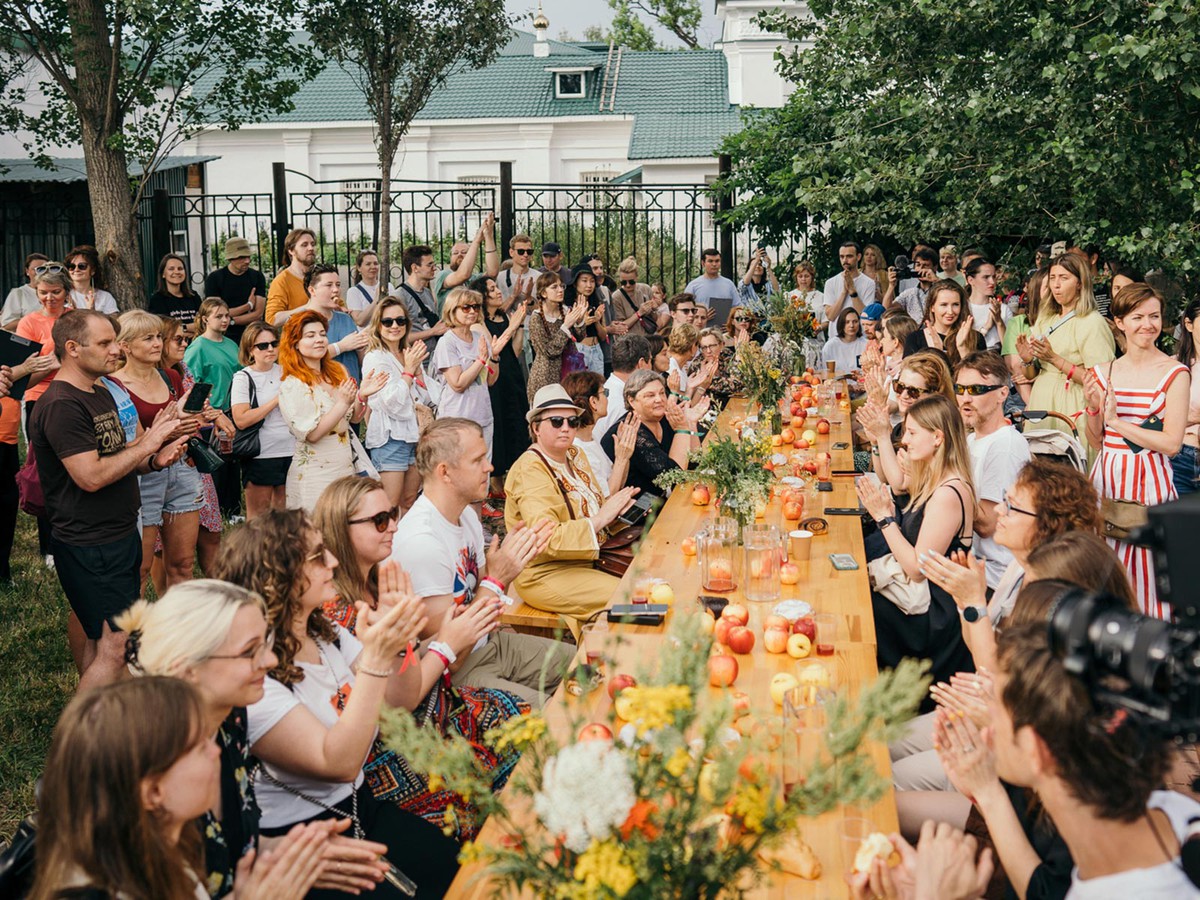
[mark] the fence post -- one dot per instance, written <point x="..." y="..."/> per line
<point x="281" y="224"/>
<point x="160" y="224"/>
<point x="724" y="205"/>
<point x="507" y="214"/>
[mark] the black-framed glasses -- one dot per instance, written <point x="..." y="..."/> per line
<point x="976" y="390"/>
<point x="266" y="345"/>
<point x="912" y="392"/>
<point x="79" y="266"/>
<point x="523" y="251"/>
<point x="395" y="322"/>
<point x="1007" y="504"/>
<point x="557" y="421"/>
<point x="255" y="655"/>
<point x="379" y="520"/>
<point x="627" y="282"/>
<point x="49" y="268"/>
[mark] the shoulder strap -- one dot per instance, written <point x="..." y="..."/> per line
<point x="170" y="387"/>
<point x="425" y="310"/>
<point x="253" y="390"/>
<point x="367" y="294"/>
<point x="1165" y="384"/>
<point x="553" y="477"/>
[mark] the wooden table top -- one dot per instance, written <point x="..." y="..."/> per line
<point x="846" y="593"/>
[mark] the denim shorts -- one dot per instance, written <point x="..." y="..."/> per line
<point x="394" y="456"/>
<point x="176" y="489"/>
<point x="1186" y="470"/>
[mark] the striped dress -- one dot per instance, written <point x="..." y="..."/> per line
<point x="1145" y="477"/>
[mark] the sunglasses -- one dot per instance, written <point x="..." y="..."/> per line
<point x="628" y="281"/>
<point x="466" y="307"/>
<point x="256" y="655"/>
<point x="394" y="322"/>
<point x="912" y="392"/>
<point x="79" y="266"/>
<point x="266" y="345"/>
<point x="380" y="519"/>
<point x="976" y="390"/>
<point x="317" y="555"/>
<point x="50" y="268"/>
<point x="686" y="310"/>
<point x="182" y="340"/>
<point x="741" y="318"/>
<point x="521" y="252"/>
<point x="557" y="421"/>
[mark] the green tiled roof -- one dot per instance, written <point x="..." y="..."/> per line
<point x="679" y="98"/>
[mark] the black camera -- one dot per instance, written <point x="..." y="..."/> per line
<point x="1146" y="666"/>
<point x="903" y="268"/>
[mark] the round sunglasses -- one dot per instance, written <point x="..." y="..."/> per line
<point x="379" y="520"/>
<point x="913" y="393"/>
<point x="557" y="421"/>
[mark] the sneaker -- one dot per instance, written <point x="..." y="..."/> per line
<point x="49" y="560"/>
<point x="497" y="495"/>
<point x="236" y="520"/>
<point x="490" y="512"/>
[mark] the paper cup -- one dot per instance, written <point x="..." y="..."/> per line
<point x="800" y="546"/>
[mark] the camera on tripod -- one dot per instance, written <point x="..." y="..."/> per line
<point x="1146" y="666"/>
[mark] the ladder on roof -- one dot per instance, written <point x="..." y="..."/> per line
<point x="612" y="71"/>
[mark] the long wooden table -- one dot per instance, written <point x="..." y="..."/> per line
<point x="844" y="593"/>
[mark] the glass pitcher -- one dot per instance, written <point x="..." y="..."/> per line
<point x="761" y="567"/>
<point x="717" y="548"/>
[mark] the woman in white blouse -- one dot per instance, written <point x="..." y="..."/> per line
<point x="393" y="429"/>
<point x="254" y="397"/>
<point x="847" y="344"/>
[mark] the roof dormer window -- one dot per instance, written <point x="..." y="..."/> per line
<point x="568" y="85"/>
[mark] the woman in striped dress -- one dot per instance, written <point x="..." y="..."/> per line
<point x="1145" y="387"/>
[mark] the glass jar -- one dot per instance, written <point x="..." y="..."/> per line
<point x="717" y="547"/>
<point x="761" y="568"/>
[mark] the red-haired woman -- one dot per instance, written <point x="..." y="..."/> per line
<point x="318" y="401"/>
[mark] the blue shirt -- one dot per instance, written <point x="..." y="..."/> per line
<point x="126" y="411"/>
<point x="706" y="289"/>
<point x="342" y="325"/>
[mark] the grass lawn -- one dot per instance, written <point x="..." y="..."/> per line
<point x="37" y="677"/>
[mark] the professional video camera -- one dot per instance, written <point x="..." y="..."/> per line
<point x="1146" y="666"/>
<point x="903" y="268"/>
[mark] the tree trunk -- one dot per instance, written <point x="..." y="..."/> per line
<point x="387" y="154"/>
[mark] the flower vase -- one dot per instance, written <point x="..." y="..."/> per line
<point x="772" y="419"/>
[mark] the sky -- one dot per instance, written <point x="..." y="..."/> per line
<point x="575" y="15"/>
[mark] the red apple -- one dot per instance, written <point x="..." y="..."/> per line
<point x="741" y="639"/>
<point x="741" y="704"/>
<point x="721" y="630"/>
<point x="775" y="640"/>
<point x="688" y="546"/>
<point x="808" y="402"/>
<point x="595" y="731"/>
<point x="701" y="495"/>
<point x="810" y="467"/>
<point x="796" y="407"/>
<point x="805" y="625"/>
<point x="822" y="426"/>
<point x="787" y="436"/>
<point x="801" y="414"/>
<point x="618" y="683"/>
<point x="797" y="421"/>
<point x="736" y="612"/>
<point x="776" y="621"/>
<point x="789" y="573"/>
<point x="722" y="670"/>
<point x="792" y="510"/>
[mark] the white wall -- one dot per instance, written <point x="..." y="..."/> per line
<point x="750" y="51"/>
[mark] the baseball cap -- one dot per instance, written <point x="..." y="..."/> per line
<point x="872" y="312"/>
<point x="551" y="247"/>
<point x="237" y="247"/>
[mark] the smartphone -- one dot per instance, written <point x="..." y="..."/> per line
<point x="840" y="445"/>
<point x="715" y="605"/>
<point x="842" y="561"/>
<point x="638" y="613"/>
<point x="843" y="511"/>
<point x="197" y="397"/>
<point x="639" y="509"/>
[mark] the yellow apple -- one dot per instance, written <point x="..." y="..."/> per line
<point x="781" y="683"/>
<point x="662" y="593"/>
<point x="799" y="646"/>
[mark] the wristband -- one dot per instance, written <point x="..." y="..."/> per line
<point x="1090" y="411"/>
<point x="150" y="462"/>
<point x="334" y="348"/>
<point x="442" y="649"/>
<point x="1071" y="372"/>
<point x="363" y="670"/>
<point x="408" y="375"/>
<point x="494" y="584"/>
<point x="685" y="431"/>
<point x="362" y="401"/>
<point x="442" y="657"/>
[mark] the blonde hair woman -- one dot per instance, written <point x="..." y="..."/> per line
<point x="254" y="399"/>
<point x="468" y="360"/>
<point x="634" y="310"/>
<point x="938" y="516"/>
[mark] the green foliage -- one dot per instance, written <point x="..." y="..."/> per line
<point x="995" y="122"/>
<point x="680" y="17"/>
<point x="733" y="468"/>
<point x="628" y="30"/>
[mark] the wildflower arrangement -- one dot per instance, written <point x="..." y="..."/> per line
<point x="793" y="333"/>
<point x="733" y="469"/>
<point x="670" y="808"/>
<point x="763" y="381"/>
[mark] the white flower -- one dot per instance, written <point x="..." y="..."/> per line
<point x="586" y="793"/>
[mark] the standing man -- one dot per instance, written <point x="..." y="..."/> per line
<point x="852" y="287"/>
<point x="711" y="285"/>
<point x="516" y="283"/>
<point x="22" y="299"/>
<point x="630" y="352"/>
<point x="287" y="290"/>
<point x="440" y="544"/>
<point x="552" y="259"/>
<point x="998" y="451"/>
<point x="323" y="285"/>
<point x="89" y="475"/>
<point x="243" y="289"/>
<point x="424" y="322"/>
<point x="462" y="261"/>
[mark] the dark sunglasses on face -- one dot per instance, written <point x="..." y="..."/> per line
<point x="741" y="318"/>
<point x="393" y="322"/>
<point x="628" y="281"/>
<point x="469" y="306"/>
<point x="913" y="393"/>
<point x="79" y="266"/>
<point x="976" y="390"/>
<point x="379" y="520"/>
<point x="181" y="339"/>
<point x="266" y="345"/>
<point x="557" y="421"/>
<point x="50" y="268"/>
<point x="521" y="252"/>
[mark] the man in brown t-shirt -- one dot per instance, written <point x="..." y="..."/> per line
<point x="89" y="475"/>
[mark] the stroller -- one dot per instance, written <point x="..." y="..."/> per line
<point x="1051" y="442"/>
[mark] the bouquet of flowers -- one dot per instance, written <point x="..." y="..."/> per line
<point x="762" y="380"/>
<point x="735" y="471"/>
<point x="794" y="330"/>
<point x="671" y="808"/>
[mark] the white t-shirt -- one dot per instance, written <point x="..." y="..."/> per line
<point x="813" y="301"/>
<point x="508" y="281"/>
<point x="475" y="403"/>
<point x="1165" y="881"/>
<point x="361" y="296"/>
<point x="440" y="556"/>
<point x="616" y="406"/>
<point x="323" y="685"/>
<point x="674" y="366"/>
<point x="864" y="284"/>
<point x="601" y="465"/>
<point x="20" y="302"/>
<point x="105" y="302"/>
<point x="275" y="439"/>
<point x="996" y="461"/>
<point x="982" y="312"/>
<point x="845" y="356"/>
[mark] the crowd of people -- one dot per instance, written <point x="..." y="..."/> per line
<point x="359" y="442"/>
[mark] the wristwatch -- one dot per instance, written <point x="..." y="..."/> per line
<point x="973" y="614"/>
<point x="885" y="522"/>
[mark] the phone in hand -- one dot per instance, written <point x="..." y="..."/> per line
<point x="197" y="397"/>
<point x="638" y="510"/>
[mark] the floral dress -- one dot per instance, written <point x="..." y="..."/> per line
<point x="229" y="838"/>
<point x="470" y="712"/>
<point x="314" y="466"/>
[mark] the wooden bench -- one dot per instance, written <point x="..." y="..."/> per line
<point x="524" y="619"/>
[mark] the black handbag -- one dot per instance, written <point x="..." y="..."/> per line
<point x="206" y="459"/>
<point x="17" y="861"/>
<point x="246" y="441"/>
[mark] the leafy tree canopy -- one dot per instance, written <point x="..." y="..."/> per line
<point x="680" y="17"/>
<point x="998" y="122"/>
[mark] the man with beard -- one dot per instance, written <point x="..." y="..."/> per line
<point x="851" y="287"/>
<point x="287" y="290"/>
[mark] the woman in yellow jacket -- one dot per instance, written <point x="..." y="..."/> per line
<point x="553" y="480"/>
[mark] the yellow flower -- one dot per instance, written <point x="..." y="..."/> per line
<point x="470" y="852"/>
<point x="435" y="783"/>
<point x="678" y="763"/>
<point x="652" y="707"/>
<point x="603" y="864"/>
<point x="752" y="803"/>
<point x="518" y="733"/>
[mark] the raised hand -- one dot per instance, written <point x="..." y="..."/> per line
<point x="507" y="560"/>
<point x="1024" y="349"/>
<point x="674" y="380"/>
<point x="346" y="394"/>
<point x="696" y="411"/>
<point x="964" y="577"/>
<point x="875" y="422"/>
<point x="462" y="627"/>
<point x="965" y="337"/>
<point x="676" y="417"/>
<point x="575" y="314"/>
<point x="415" y="354"/>
<point x="625" y="440"/>
<point x="933" y="339"/>
<point x="966" y="752"/>
<point x="356" y="340"/>
<point x="374" y="383"/>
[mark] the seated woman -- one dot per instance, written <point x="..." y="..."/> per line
<point x="214" y="635"/>
<point x="660" y="358"/>
<point x="667" y="431"/>
<point x="130" y="769"/>
<point x="938" y="516"/>
<point x="947" y="328"/>
<point x="742" y="325"/>
<point x="553" y="480"/>
<point x="714" y="356"/>
<point x="315" y="728"/>
<point x="587" y="391"/>
<point x="847" y="343"/>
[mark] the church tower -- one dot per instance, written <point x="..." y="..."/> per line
<point x="750" y="51"/>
